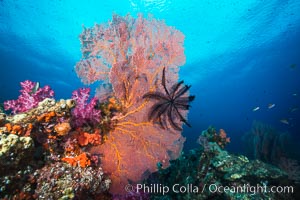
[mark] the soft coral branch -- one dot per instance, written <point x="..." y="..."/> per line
<point x="84" y="112"/>
<point x="29" y="98"/>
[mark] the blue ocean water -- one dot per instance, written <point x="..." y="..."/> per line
<point x="240" y="55"/>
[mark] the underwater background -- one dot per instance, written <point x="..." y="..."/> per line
<point x="239" y="55"/>
<point x="242" y="57"/>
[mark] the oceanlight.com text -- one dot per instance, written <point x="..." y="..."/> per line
<point x="212" y="188"/>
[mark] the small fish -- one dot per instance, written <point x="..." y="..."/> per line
<point x="271" y="105"/>
<point x="35" y="88"/>
<point x="295" y="94"/>
<point x="256" y="109"/>
<point x="284" y="121"/>
<point x="293" y="109"/>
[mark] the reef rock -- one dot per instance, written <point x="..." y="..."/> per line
<point x="14" y="150"/>
<point x="204" y="174"/>
<point x="70" y="182"/>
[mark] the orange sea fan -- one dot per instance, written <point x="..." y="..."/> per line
<point x="133" y="53"/>
<point x="133" y="149"/>
<point x="144" y="45"/>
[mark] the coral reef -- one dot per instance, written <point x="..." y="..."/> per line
<point x="81" y="160"/>
<point x="132" y="195"/>
<point x="211" y="135"/>
<point x="132" y="151"/>
<point x="199" y="169"/>
<point x="2" y="118"/>
<point x="291" y="167"/>
<point x="44" y="157"/>
<point x="130" y="132"/>
<point x="62" y="181"/>
<point x="14" y="151"/>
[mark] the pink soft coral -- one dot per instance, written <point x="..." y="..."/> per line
<point x="29" y="98"/>
<point x="84" y="112"/>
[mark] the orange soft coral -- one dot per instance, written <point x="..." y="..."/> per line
<point x="62" y="128"/>
<point x="8" y="127"/>
<point x="81" y="160"/>
<point x="29" y="128"/>
<point x="17" y="129"/>
<point x="46" y="117"/>
<point x="14" y="128"/>
<point x="223" y="139"/>
<point x="85" y="138"/>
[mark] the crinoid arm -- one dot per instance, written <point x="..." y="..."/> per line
<point x="163" y="82"/>
<point x="155" y="95"/>
<point x="182" y="118"/>
<point x="171" y="120"/>
<point x="182" y="91"/>
<point x="183" y="102"/>
<point x="168" y="106"/>
<point x="157" y="110"/>
<point x="175" y="87"/>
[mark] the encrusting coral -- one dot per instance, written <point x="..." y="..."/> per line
<point x="44" y="137"/>
<point x="14" y="150"/>
<point x="211" y="165"/>
<point x="62" y="128"/>
<point x="69" y="182"/>
<point x="82" y="160"/>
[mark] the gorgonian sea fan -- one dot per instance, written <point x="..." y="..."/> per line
<point x="130" y="55"/>
<point x="29" y="98"/>
<point x="143" y="45"/>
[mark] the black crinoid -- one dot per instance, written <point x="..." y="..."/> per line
<point x="170" y="104"/>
